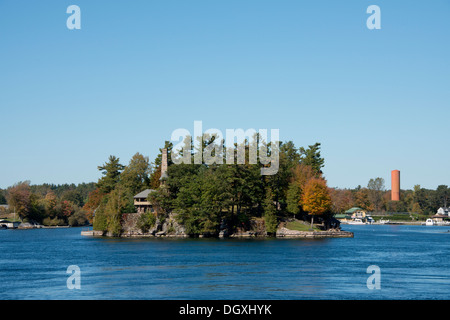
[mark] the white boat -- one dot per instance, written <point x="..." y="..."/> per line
<point x="383" y="221"/>
<point x="356" y="221"/>
<point x="429" y="222"/>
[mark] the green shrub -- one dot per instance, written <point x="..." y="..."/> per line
<point x="53" y="222"/>
<point x="78" y="218"/>
<point x="270" y="221"/>
<point x="146" y="221"/>
<point x="100" y="221"/>
<point x="115" y="224"/>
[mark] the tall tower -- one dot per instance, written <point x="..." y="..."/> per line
<point x="395" y="185"/>
<point x="164" y="165"/>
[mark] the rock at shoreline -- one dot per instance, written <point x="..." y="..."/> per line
<point x="332" y="233"/>
<point x="28" y="225"/>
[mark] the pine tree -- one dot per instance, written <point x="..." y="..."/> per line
<point x="270" y="218"/>
<point x="136" y="176"/>
<point x="111" y="174"/>
<point x="311" y="157"/>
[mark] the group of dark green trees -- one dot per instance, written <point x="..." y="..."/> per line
<point x="116" y="189"/>
<point x="206" y="196"/>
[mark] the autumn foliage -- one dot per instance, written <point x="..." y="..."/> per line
<point x="95" y="198"/>
<point x="316" y="199"/>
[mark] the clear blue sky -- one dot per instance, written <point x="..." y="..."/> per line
<point x="377" y="100"/>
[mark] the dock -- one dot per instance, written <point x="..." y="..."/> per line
<point x="92" y="233"/>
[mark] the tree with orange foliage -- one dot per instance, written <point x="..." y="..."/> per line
<point x="301" y="174"/>
<point x="50" y="201"/>
<point x="341" y="200"/>
<point x="316" y="199"/>
<point x="19" y="199"/>
<point x="362" y="199"/>
<point x="95" y="198"/>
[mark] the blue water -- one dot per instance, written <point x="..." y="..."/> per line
<point x="414" y="263"/>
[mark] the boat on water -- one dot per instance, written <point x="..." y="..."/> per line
<point x="356" y="221"/>
<point x="429" y="222"/>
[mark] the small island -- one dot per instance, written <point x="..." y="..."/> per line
<point x="200" y="200"/>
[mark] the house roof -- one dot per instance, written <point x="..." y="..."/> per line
<point x="351" y="210"/>
<point x="144" y="194"/>
<point x="342" y="216"/>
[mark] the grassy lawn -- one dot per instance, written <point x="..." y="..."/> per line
<point x="300" y="226"/>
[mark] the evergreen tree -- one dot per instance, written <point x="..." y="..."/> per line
<point x="203" y="199"/>
<point x="442" y="196"/>
<point x="293" y="199"/>
<point x="119" y="202"/>
<point x="136" y="175"/>
<point x="2" y="197"/>
<point x="270" y="217"/>
<point x="311" y="157"/>
<point x="111" y="171"/>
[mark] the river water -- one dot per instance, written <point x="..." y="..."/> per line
<point x="414" y="263"/>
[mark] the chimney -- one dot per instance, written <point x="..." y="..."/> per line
<point x="164" y="165"/>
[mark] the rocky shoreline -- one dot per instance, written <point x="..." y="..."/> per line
<point x="332" y="233"/>
<point x="170" y="228"/>
<point x="281" y="233"/>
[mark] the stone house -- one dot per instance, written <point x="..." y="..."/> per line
<point x="141" y="203"/>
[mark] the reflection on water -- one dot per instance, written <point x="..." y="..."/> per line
<point x="413" y="260"/>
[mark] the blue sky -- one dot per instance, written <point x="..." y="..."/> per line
<point x="377" y="100"/>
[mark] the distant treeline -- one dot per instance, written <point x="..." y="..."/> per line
<point x="48" y="204"/>
<point x="376" y="198"/>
